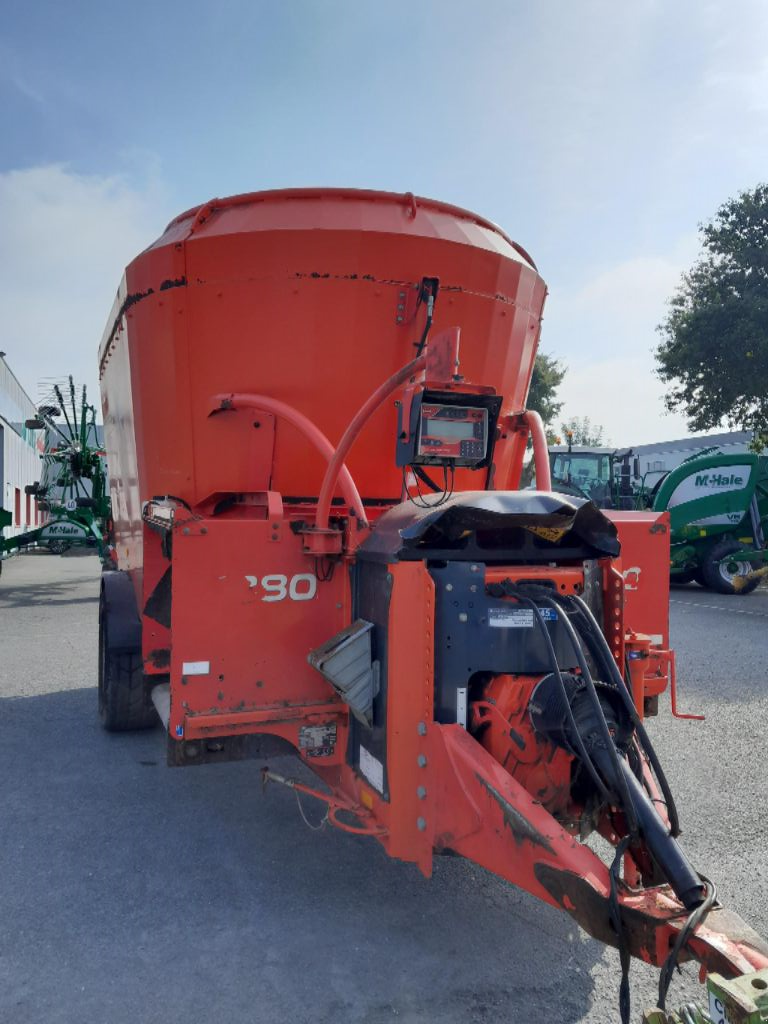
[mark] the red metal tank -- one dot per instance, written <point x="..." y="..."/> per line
<point x="310" y="296"/>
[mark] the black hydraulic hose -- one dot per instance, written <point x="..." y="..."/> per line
<point x="616" y="777"/>
<point x="617" y="772"/>
<point x="674" y="865"/>
<point x="602" y="653"/>
<point x="582" y="751"/>
<point x="598" y="647"/>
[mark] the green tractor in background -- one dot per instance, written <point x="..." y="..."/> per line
<point x="718" y="506"/>
<point x="72" y="491"/>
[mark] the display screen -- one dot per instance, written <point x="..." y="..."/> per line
<point x="449" y="428"/>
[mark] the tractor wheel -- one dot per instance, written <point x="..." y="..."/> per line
<point x="719" y="576"/>
<point x="58" y="547"/>
<point x="124" y="702"/>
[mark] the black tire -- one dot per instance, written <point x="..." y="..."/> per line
<point x="719" y="576"/>
<point x="58" y="547"/>
<point x="683" y="577"/>
<point x="124" y="702"/>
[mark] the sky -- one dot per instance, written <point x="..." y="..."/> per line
<point x="597" y="134"/>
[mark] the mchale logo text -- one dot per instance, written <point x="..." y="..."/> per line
<point x="718" y="480"/>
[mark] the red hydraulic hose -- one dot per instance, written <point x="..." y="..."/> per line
<point x="540" y="450"/>
<point x="220" y="403"/>
<point x="349" y="437"/>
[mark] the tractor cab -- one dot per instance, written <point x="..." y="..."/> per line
<point x="583" y="472"/>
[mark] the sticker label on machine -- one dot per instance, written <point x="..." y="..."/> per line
<point x="716" y="1010"/>
<point x="518" y="618"/>
<point x="318" y="740"/>
<point x="372" y="769"/>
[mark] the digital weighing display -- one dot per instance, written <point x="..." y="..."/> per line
<point x="452" y="433"/>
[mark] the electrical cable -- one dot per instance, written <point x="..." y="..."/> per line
<point x="431" y="290"/>
<point x="421" y="473"/>
<point x="626" y="802"/>
<point x="624" y="796"/>
<point x="695" y="918"/>
<point x="581" y="748"/>
<point x="423" y="500"/>
<point x="603" y="654"/>
<point x="699" y="913"/>
<point x="625" y="1002"/>
<point x="307" y="822"/>
<point x="324" y="568"/>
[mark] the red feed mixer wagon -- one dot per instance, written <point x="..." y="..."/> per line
<point x="314" y="408"/>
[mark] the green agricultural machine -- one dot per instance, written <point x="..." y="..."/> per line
<point x="718" y="506"/>
<point x="72" y="491"/>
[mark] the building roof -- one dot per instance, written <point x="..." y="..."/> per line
<point x="580" y="449"/>
<point x="15" y="404"/>
<point x="733" y="437"/>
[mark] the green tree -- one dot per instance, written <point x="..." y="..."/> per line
<point x="714" y="352"/>
<point x="548" y="374"/>
<point x="584" y="432"/>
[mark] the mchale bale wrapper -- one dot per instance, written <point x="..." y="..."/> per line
<point x="314" y="406"/>
<point x="717" y="502"/>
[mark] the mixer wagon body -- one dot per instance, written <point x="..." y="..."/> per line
<point x="311" y="298"/>
<point x="314" y="408"/>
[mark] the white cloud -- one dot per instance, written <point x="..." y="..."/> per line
<point x="623" y="395"/>
<point x="605" y="332"/>
<point x="64" y="243"/>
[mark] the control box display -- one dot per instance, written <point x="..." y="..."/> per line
<point x="452" y="433"/>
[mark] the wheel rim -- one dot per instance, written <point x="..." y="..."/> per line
<point x="731" y="569"/>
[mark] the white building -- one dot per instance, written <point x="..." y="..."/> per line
<point x="657" y="459"/>
<point x="20" y="450"/>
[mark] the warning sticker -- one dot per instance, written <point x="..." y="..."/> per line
<point x="550" y="533"/>
<point x="318" y="740"/>
<point x="511" y="618"/>
<point x="372" y="769"/>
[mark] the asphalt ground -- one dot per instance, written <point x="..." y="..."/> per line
<point x="131" y="893"/>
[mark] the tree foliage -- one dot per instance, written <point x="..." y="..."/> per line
<point x="548" y="374"/>
<point x="714" y="352"/>
<point x="584" y="432"/>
